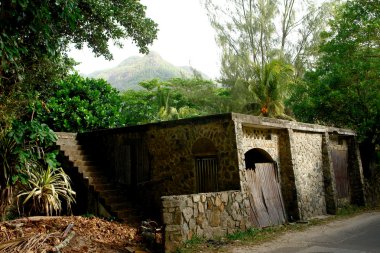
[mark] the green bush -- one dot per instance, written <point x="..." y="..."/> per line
<point x="29" y="167"/>
<point x="80" y="104"/>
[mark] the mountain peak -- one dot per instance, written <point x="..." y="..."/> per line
<point x="135" y="69"/>
<point x="150" y="57"/>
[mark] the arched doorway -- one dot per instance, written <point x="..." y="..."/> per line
<point x="264" y="189"/>
<point x="206" y="165"/>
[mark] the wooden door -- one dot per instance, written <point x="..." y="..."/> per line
<point x="340" y="165"/>
<point x="267" y="207"/>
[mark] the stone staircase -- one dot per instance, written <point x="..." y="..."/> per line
<point x="113" y="197"/>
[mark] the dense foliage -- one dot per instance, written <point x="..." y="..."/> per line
<point x="31" y="28"/>
<point x="173" y="99"/>
<point x="34" y="38"/>
<point x="344" y="89"/>
<point x="79" y="104"/>
<point x="35" y="35"/>
<point x="26" y="150"/>
<point x="260" y="39"/>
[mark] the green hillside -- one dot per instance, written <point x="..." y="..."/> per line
<point x="135" y="69"/>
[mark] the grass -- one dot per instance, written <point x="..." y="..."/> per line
<point x="255" y="236"/>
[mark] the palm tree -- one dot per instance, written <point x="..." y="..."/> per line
<point x="265" y="94"/>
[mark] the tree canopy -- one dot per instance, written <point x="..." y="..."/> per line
<point x="79" y="104"/>
<point x="172" y="99"/>
<point x="32" y="28"/>
<point x="344" y="88"/>
<point x="35" y="35"/>
<point x="255" y="50"/>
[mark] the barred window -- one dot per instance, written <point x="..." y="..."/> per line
<point x="206" y="165"/>
<point x="206" y="174"/>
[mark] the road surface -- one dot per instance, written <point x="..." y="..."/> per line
<point x="360" y="234"/>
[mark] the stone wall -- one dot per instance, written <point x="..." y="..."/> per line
<point x="250" y="137"/>
<point x="266" y="139"/>
<point x="355" y="173"/>
<point x="162" y="154"/>
<point x="205" y="215"/>
<point x="286" y="165"/>
<point x="307" y="154"/>
<point x="171" y="155"/>
<point x="328" y="175"/>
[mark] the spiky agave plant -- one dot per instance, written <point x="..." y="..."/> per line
<point x="45" y="190"/>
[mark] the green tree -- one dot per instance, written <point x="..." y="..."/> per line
<point x="266" y="94"/>
<point x="138" y="107"/>
<point x="344" y="89"/>
<point x="34" y="36"/>
<point x="247" y="34"/>
<point x="252" y="49"/>
<point x="31" y="28"/>
<point x="80" y="104"/>
<point x="173" y="99"/>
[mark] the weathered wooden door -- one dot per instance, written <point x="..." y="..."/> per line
<point x="265" y="195"/>
<point x="340" y="165"/>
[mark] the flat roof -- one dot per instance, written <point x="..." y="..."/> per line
<point x="244" y="119"/>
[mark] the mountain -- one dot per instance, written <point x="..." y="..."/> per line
<point x="129" y="73"/>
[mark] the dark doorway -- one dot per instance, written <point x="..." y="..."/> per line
<point x="256" y="155"/>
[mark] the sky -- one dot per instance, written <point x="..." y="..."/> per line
<point x="185" y="38"/>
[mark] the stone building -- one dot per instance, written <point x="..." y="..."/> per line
<point x="213" y="175"/>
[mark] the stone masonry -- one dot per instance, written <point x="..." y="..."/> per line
<point x="204" y="215"/>
<point x="158" y="164"/>
<point x="309" y="174"/>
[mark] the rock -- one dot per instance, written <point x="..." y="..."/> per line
<point x="196" y="198"/>
<point x="238" y="198"/>
<point x="199" y="231"/>
<point x="177" y="218"/>
<point x="187" y="213"/>
<point x="215" y="218"/>
<point x="192" y="224"/>
<point x="218" y="202"/>
<point x="199" y="220"/>
<point x="201" y="208"/>
<point x="168" y="218"/>
<point x="224" y="197"/>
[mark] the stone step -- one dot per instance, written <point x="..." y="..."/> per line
<point x="93" y="174"/>
<point x="102" y="187"/>
<point x="90" y="168"/>
<point x="101" y="180"/>
<point x="75" y="156"/>
<point x="115" y="198"/>
<point x="66" y="137"/>
<point x="72" y="153"/>
<point x="67" y="141"/>
<point x="81" y="163"/>
<point x="71" y="146"/>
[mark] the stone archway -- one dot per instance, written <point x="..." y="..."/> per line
<point x="267" y="207"/>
